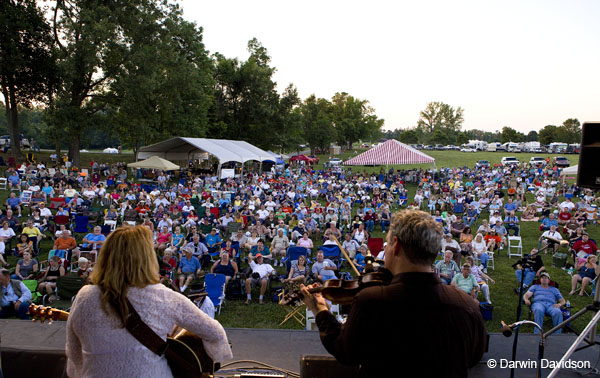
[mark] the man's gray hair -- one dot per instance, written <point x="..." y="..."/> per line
<point x="419" y="235"/>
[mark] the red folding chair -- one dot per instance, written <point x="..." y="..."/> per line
<point x="56" y="202"/>
<point x="375" y="245"/>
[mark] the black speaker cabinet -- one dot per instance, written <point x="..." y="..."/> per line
<point x="323" y="366"/>
<point x="588" y="174"/>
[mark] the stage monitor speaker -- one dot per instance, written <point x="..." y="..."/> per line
<point x="323" y="366"/>
<point x="588" y="173"/>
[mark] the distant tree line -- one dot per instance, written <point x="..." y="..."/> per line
<point x="90" y="74"/>
<point x="441" y="123"/>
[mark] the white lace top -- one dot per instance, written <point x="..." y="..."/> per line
<point x="97" y="346"/>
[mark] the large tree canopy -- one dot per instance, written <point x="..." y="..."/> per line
<point x="27" y="68"/>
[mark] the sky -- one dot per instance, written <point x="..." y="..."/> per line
<point x="522" y="64"/>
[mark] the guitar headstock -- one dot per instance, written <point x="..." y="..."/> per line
<point x="43" y="313"/>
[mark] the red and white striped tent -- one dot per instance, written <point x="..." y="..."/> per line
<point x="390" y="152"/>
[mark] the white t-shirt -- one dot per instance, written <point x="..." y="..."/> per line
<point x="262" y="269"/>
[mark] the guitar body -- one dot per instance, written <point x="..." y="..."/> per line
<point x="185" y="353"/>
<point x="187" y="347"/>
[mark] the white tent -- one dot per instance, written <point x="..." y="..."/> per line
<point x="224" y="150"/>
<point x="154" y="162"/>
<point x="570" y="170"/>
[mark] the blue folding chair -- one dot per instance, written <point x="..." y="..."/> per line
<point x="82" y="224"/>
<point x="215" y="287"/>
<point x="333" y="253"/>
<point x="292" y="255"/>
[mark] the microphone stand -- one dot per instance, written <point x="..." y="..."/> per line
<point x="519" y="310"/>
<point x="507" y="331"/>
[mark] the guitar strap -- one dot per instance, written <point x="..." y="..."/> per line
<point x="147" y="337"/>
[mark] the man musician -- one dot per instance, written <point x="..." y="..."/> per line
<point x="416" y="313"/>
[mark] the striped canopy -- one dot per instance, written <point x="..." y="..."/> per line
<point x="390" y="152"/>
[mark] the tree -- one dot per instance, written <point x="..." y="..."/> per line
<point x="95" y="40"/>
<point x="441" y="117"/>
<point x="547" y="135"/>
<point x="167" y="89"/>
<point x="317" y="124"/>
<point x="247" y="102"/>
<point x="509" y="135"/>
<point x="354" y="119"/>
<point x="408" y="136"/>
<point x="532" y="136"/>
<point x="569" y="131"/>
<point x="27" y="69"/>
<point x="462" y="138"/>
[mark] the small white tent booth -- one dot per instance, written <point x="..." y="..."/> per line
<point x="223" y="151"/>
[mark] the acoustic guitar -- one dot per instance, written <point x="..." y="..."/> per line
<point x="185" y="353"/>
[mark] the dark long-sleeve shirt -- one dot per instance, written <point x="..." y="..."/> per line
<point x="434" y="330"/>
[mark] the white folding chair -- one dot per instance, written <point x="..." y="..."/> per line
<point x="515" y="246"/>
<point x="3" y="183"/>
<point x="112" y="224"/>
<point x="491" y="260"/>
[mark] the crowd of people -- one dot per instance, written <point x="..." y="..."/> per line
<point x="201" y="224"/>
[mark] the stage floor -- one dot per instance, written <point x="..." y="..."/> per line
<point x="282" y="348"/>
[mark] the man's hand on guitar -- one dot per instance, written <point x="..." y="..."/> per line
<point x="315" y="302"/>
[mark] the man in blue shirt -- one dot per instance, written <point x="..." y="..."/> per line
<point x="189" y="268"/>
<point x="14" y="180"/>
<point x="14" y="203"/>
<point x="512" y="223"/>
<point x="261" y="248"/>
<point x="94" y="240"/>
<point x="14" y="297"/>
<point x="544" y="302"/>
<point x="213" y="241"/>
<point x="547" y="222"/>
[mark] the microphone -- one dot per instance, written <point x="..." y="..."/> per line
<point x="506" y="329"/>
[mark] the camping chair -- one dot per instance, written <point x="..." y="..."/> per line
<point x="32" y="286"/>
<point x="57" y="221"/>
<point x="215" y="287"/>
<point x="3" y="183"/>
<point x="25" y="197"/>
<point x="30" y="158"/>
<point x="375" y="245"/>
<point x="233" y="227"/>
<point x="130" y="217"/>
<point x="67" y="287"/>
<point x="81" y="224"/>
<point x="294" y="310"/>
<point x="333" y="253"/>
<point x="56" y="202"/>
<point x="215" y="212"/>
<point x="292" y="254"/>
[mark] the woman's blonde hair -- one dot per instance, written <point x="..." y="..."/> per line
<point x="126" y="259"/>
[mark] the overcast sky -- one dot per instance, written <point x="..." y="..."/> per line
<point x="523" y="64"/>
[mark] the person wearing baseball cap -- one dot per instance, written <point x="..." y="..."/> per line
<point x="260" y="276"/>
<point x="544" y="302"/>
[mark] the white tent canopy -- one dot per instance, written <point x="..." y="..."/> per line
<point x="570" y="170"/>
<point x="154" y="162"/>
<point x="180" y="148"/>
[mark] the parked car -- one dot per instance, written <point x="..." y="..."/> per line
<point x="333" y="162"/>
<point x="561" y="162"/>
<point x="509" y="160"/>
<point x="428" y="147"/>
<point x="468" y="149"/>
<point x="5" y="140"/>
<point x="537" y="161"/>
<point x="482" y="164"/>
<point x="365" y="145"/>
<point x="110" y="151"/>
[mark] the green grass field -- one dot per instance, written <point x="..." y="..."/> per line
<point x="269" y="315"/>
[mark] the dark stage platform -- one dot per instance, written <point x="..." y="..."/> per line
<point x="33" y="350"/>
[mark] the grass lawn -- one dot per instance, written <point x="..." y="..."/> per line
<point x="269" y="315"/>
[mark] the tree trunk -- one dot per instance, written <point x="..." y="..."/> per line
<point x="13" y="126"/>
<point x="74" y="146"/>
